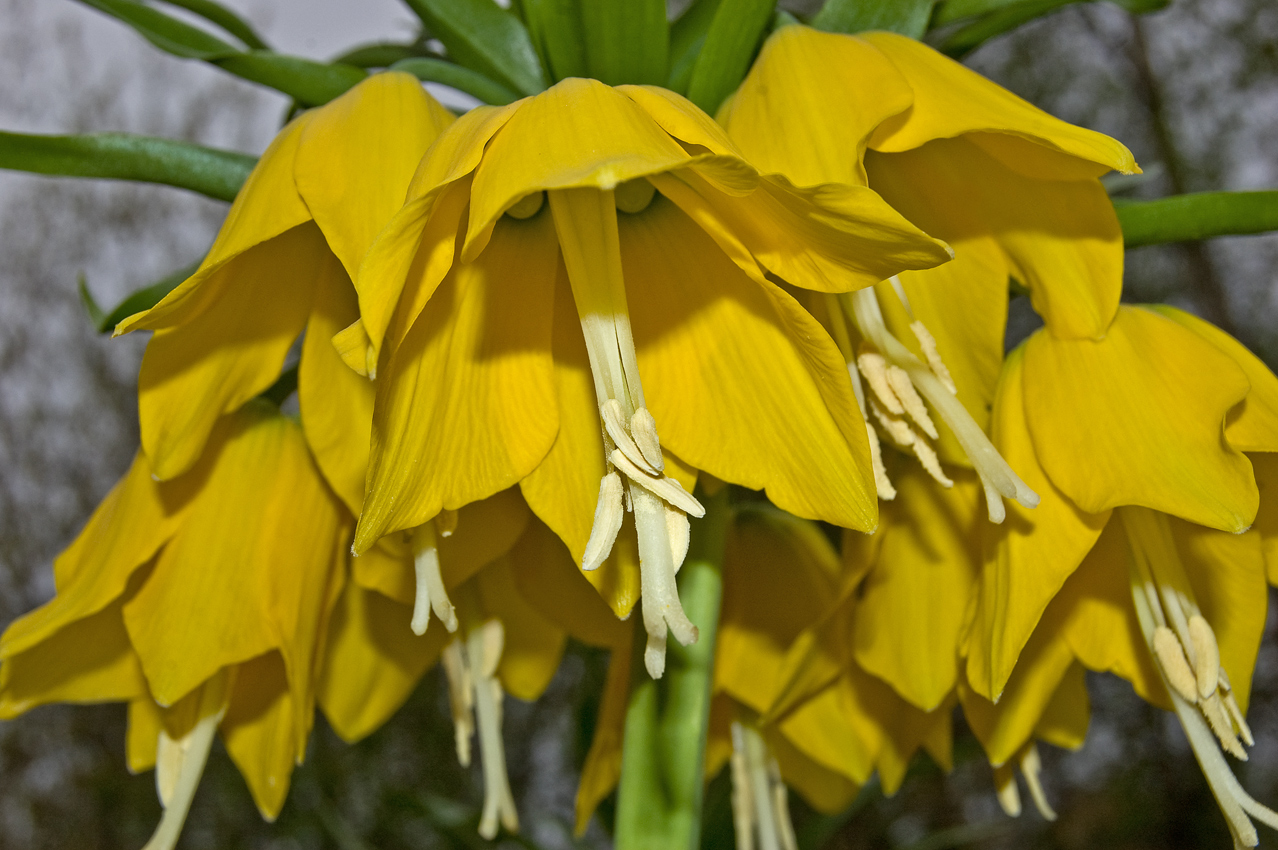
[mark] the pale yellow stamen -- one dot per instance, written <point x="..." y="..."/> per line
<point x="1206" y="655"/>
<point x="666" y="489"/>
<point x="931" y="463"/>
<point x="680" y="533"/>
<point x="1009" y="796"/>
<point x="881" y="480"/>
<point x="927" y="343"/>
<point x="431" y="593"/>
<point x="1031" y="769"/>
<point x="483" y="653"/>
<point x="1171" y="658"/>
<point x="905" y="436"/>
<point x="899" y="380"/>
<point x="643" y="428"/>
<point x="875" y="370"/>
<point x="461" y="699"/>
<point x="609" y="512"/>
<point x="761" y="809"/>
<point x="614" y="421"/>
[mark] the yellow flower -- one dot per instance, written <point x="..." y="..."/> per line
<point x="201" y="602"/>
<point x="281" y="265"/>
<point x="508" y="333"/>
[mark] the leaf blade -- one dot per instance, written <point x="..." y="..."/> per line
<point x="627" y="41"/>
<point x="908" y="17"/>
<point x="463" y="79"/>
<point x="731" y="42"/>
<point x="482" y="36"/>
<point x="1201" y="215"/>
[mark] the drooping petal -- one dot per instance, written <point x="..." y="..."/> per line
<point x="1061" y="238"/>
<point x="259" y="731"/>
<point x="744" y="383"/>
<point x="781" y="115"/>
<point x="1252" y="427"/>
<point x="906" y="730"/>
<point x="336" y="403"/>
<point x="906" y="627"/>
<point x="250" y="569"/>
<point x="143" y="734"/>
<point x="836" y="728"/>
<point x="951" y="100"/>
<point x="822" y="788"/>
<point x="1145" y="407"/>
<point x="201" y="365"/>
<point x="466" y="406"/>
<point x="357" y="155"/>
<point x="1065" y="720"/>
<point x="533" y="646"/>
<point x="1265" y="466"/>
<point x="372" y="661"/>
<point x="1029" y="556"/>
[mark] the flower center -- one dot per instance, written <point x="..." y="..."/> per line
<point x="899" y="382"/>
<point x="634" y="479"/>
<point x="759" y="806"/>
<point x="1184" y="645"/>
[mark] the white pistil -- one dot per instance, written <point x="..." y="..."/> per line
<point x="1163" y="599"/>
<point x="759" y="805"/>
<point x="431" y="593"/>
<point x="997" y="478"/>
<point x="184" y="761"/>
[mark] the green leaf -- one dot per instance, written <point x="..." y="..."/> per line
<point x="482" y="36"/>
<point x="463" y="79"/>
<point x="381" y="55"/>
<point x="627" y="41"/>
<point x="908" y="17"/>
<point x="1004" y="16"/>
<point x="555" y="27"/>
<point x="224" y="18"/>
<point x="734" y="36"/>
<point x="687" y="35"/>
<point x="949" y="11"/>
<point x="90" y="304"/>
<point x="137" y="301"/>
<point x="122" y="156"/>
<point x="1201" y="215"/>
<point x="167" y="33"/>
<point x="308" y="82"/>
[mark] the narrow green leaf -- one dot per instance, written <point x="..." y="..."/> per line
<point x="308" y="82"/>
<point x="139" y="300"/>
<point x="627" y="41"/>
<point x="463" y="79"/>
<point x="1008" y="16"/>
<point x="381" y="55"/>
<point x="90" y="304"/>
<point x="1201" y="215"/>
<point x="122" y="156"/>
<point x="734" y="37"/>
<point x="687" y="35"/>
<point x="908" y="17"/>
<point x="555" y="27"/>
<point x="481" y="35"/>
<point x="167" y="33"/>
<point x="218" y="14"/>
<point x="949" y="11"/>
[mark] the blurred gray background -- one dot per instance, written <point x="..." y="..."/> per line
<point x="1193" y="90"/>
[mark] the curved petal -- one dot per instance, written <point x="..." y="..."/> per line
<point x="372" y="661"/>
<point x="336" y="403"/>
<point x="357" y="155"/>
<point x="213" y="361"/>
<point x="926" y="571"/>
<point x="907" y="729"/>
<point x="1137" y="418"/>
<point x="1029" y="556"/>
<point x="821" y="788"/>
<point x="1266" y="468"/>
<point x="466" y="408"/>
<point x="682" y="119"/>
<point x="1065" y="720"/>
<point x="259" y="731"/>
<point x="950" y="100"/>
<point x="743" y="382"/>
<point x="211" y="600"/>
<point x="782" y="116"/>
<point x="533" y="644"/>
<point x="837" y="728"/>
<point x="143" y="734"/>
<point x="1061" y="238"/>
<point x="1252" y="427"/>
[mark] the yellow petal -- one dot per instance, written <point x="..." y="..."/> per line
<point x="336" y="403"/>
<point x="766" y="606"/>
<point x="465" y="408"/>
<point x="1253" y="426"/>
<point x="143" y="735"/>
<point x="1061" y="238"/>
<point x="357" y="155"/>
<point x="203" y="364"/>
<point x="1029" y="556"/>
<point x="909" y="729"/>
<point x="372" y="661"/>
<point x="950" y="100"/>
<point x="836" y="730"/>
<point x="533" y="645"/>
<point x="906" y="627"/>
<point x="579" y="133"/>
<point x="963" y="305"/>
<point x="821" y="788"/>
<point x="1266" y="469"/>
<point x="89" y="661"/>
<point x="486" y="531"/>
<point x="743" y="382"/>
<point x="259" y="732"/>
<point x="550" y="581"/>
<point x="682" y="119"/>
<point x="1145" y="407"/>
<point x="1065" y="720"/>
<point x="267" y="206"/>
<point x="250" y="570"/>
<point x="781" y="115"/>
<point x="602" y="769"/>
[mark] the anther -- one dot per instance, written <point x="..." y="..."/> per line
<point x="1206" y="655"/>
<point x="1218" y="720"/>
<point x="874" y="367"/>
<point x="609" y="512"/>
<point x="881" y="480"/>
<point x="927" y="342"/>
<point x="614" y="422"/>
<point x="1171" y="657"/>
<point x="680" y="533"/>
<point x="931" y="463"/>
<point x="666" y="489"/>
<point x="527" y="206"/>
<point x="643" y="428"/>
<point x="904" y="390"/>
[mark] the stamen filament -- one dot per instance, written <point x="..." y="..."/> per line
<point x="483" y="650"/>
<point x="760" y="807"/>
<point x="431" y="593"/>
<point x="1031" y="769"/>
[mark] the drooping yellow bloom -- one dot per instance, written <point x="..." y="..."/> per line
<point x="509" y="332"/>
<point x="201" y="601"/>
<point x="281" y="265"/>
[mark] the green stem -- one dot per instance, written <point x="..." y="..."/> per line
<point x="663" y="755"/>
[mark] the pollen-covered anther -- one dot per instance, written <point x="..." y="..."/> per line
<point x="881" y="480"/>
<point x="1206" y="655"/>
<point x="614" y="422"/>
<point x="1171" y="657"/>
<point x="875" y="369"/>
<point x="643" y="428"/>
<point x="664" y="488"/>
<point x="610" y="510"/>
<point x="1214" y="710"/>
<point x="927" y="343"/>
<point x="904" y="390"/>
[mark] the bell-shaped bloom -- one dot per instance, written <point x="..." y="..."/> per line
<point x="201" y="601"/>
<point x="280" y="266"/>
<point x="582" y="270"/>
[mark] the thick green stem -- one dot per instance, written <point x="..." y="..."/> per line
<point x="663" y="756"/>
